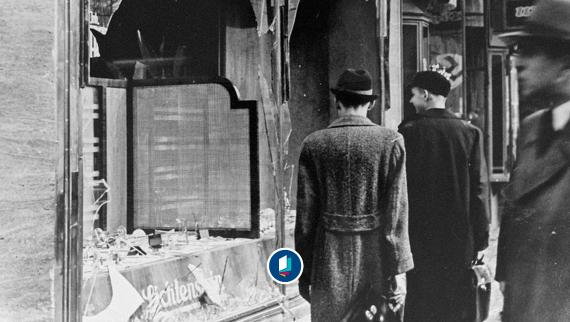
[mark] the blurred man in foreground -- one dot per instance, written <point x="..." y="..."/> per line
<point x="533" y="263"/>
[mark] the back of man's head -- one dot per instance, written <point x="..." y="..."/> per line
<point x="433" y="82"/>
<point x="354" y="88"/>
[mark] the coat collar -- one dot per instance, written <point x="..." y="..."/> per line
<point x="437" y="113"/>
<point x="544" y="128"/>
<point x="561" y="116"/>
<point x="351" y="120"/>
<point x="433" y="113"/>
<point x="540" y="164"/>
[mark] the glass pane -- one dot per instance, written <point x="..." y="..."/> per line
<point x="192" y="167"/>
<point x="192" y="158"/>
<point x="154" y="39"/>
<point x="95" y="187"/>
<point x="476" y="73"/>
<point x="425" y="48"/>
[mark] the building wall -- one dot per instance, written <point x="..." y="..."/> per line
<point x="27" y="159"/>
<point x="393" y="116"/>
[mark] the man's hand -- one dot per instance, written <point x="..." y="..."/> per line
<point x="396" y="292"/>
<point x="305" y="291"/>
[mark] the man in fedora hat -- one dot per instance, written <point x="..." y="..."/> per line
<point x="449" y="203"/>
<point x="351" y="228"/>
<point x="533" y="262"/>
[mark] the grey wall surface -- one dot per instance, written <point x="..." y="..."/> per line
<point x="27" y="159"/>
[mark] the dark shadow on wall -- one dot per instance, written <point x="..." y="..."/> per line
<point x="309" y="103"/>
<point x="327" y="38"/>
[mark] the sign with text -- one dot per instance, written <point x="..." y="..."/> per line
<point x="202" y="286"/>
<point x="517" y="12"/>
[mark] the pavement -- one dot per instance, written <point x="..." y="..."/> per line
<point x="496" y="295"/>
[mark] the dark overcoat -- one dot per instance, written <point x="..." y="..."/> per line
<point x="534" y="255"/>
<point x="449" y="212"/>
<point x="351" y="227"/>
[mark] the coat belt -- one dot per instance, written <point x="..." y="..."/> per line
<point x="351" y="223"/>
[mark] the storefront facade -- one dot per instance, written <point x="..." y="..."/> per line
<point x="196" y="123"/>
<point x="183" y="120"/>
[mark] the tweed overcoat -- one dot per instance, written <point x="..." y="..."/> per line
<point x="533" y="252"/>
<point x="351" y="227"/>
<point x="449" y="213"/>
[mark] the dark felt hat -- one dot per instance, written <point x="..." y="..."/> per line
<point x="431" y="81"/>
<point x="355" y="83"/>
<point x="549" y="20"/>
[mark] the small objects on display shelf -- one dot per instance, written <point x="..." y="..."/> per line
<point x="127" y="250"/>
<point x="267" y="221"/>
<point x="179" y="274"/>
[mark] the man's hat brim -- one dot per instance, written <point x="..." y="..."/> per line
<point x="513" y="37"/>
<point x="534" y="31"/>
<point x="548" y="21"/>
<point x="348" y="94"/>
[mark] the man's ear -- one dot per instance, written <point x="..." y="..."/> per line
<point x="427" y="95"/>
<point x="371" y="105"/>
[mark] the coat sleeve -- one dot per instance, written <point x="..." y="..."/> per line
<point x="508" y="210"/>
<point x="307" y="212"/>
<point x="479" y="194"/>
<point x="397" y="252"/>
